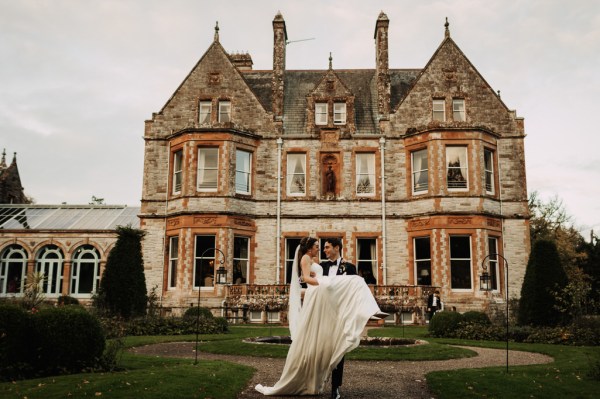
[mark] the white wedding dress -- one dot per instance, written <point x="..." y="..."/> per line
<point x="330" y="323"/>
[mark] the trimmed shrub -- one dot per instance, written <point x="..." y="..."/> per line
<point x="445" y="324"/>
<point x="68" y="339"/>
<point x="16" y="350"/>
<point x="123" y="285"/>
<point x="191" y="313"/>
<point x="67" y="300"/>
<point x="544" y="274"/>
<point x="481" y="332"/>
<point x="474" y="317"/>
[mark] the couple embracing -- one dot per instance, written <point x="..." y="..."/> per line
<point x="327" y="324"/>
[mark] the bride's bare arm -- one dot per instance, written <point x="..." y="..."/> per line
<point x="305" y="264"/>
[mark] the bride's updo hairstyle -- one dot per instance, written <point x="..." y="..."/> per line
<point x="305" y="244"/>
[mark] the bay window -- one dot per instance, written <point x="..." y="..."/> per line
<point x="420" y="171"/>
<point x="456" y="168"/>
<point x="241" y="259"/>
<point x="204" y="261"/>
<point x="422" y="248"/>
<point x="208" y="169"/>
<point x="173" y="259"/>
<point x="177" y="171"/>
<point x="460" y="262"/>
<point x="488" y="161"/>
<point x="243" y="171"/>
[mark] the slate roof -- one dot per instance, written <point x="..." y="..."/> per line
<point x="67" y="217"/>
<point x="299" y="83"/>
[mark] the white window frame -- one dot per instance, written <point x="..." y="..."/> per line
<point x="457" y="185"/>
<point x="373" y="260"/>
<point x="488" y="171"/>
<point x="205" y="258"/>
<point x="52" y="268"/>
<point x="365" y="169"/>
<point x="461" y="260"/>
<point x="243" y="172"/>
<point x="321" y="113"/>
<point x="418" y="171"/>
<point x="177" y="172"/>
<point x="224" y="111"/>
<point x="418" y="261"/>
<point x="458" y="110"/>
<point x="296" y="174"/>
<point x="339" y="113"/>
<point x="241" y="259"/>
<point x="14" y="254"/>
<point x="78" y="260"/>
<point x="439" y="110"/>
<point x="173" y="262"/>
<point x="493" y="269"/>
<point x="204" y="112"/>
<point x="204" y="169"/>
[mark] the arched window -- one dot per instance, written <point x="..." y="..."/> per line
<point x="49" y="262"/>
<point x="13" y="266"/>
<point x="85" y="271"/>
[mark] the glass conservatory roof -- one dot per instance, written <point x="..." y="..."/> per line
<point x="67" y="217"/>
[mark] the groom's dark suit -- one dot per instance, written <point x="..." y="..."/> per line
<point x="348" y="269"/>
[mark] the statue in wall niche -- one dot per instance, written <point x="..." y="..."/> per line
<point x="330" y="180"/>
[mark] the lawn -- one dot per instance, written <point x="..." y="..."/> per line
<point x="154" y="377"/>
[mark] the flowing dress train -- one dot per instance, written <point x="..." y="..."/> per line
<point x="332" y="318"/>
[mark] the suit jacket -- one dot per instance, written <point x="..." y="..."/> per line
<point x="430" y="302"/>
<point x="345" y="267"/>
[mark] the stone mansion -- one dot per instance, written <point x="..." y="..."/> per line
<point x="420" y="172"/>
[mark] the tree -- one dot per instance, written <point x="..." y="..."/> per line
<point x="543" y="276"/>
<point x="123" y="285"/>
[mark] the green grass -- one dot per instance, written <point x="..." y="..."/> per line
<point x="155" y="377"/>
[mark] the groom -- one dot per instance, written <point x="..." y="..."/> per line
<point x="336" y="266"/>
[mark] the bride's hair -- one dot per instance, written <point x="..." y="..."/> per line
<point x="305" y="244"/>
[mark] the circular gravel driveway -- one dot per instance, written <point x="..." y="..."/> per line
<point x="362" y="379"/>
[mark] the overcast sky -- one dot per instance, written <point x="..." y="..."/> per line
<point x="79" y="77"/>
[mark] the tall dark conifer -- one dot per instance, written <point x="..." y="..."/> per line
<point x="123" y="286"/>
<point x="543" y="276"/>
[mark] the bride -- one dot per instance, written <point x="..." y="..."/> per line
<point x="324" y="328"/>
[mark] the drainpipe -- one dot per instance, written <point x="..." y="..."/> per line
<point x="383" y="226"/>
<point x="278" y="241"/>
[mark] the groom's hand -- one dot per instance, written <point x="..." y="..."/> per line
<point x="313" y="274"/>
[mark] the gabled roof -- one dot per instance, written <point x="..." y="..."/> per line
<point x="67" y="217"/>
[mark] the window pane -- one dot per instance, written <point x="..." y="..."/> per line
<point x="493" y="261"/>
<point x="242" y="173"/>
<point x="240" y="260"/>
<point x="173" y="257"/>
<point x="489" y="171"/>
<point x="204" y="270"/>
<point x="339" y="113"/>
<point x="439" y="112"/>
<point x="205" y="111"/>
<point x="290" y="249"/>
<point x="224" y="111"/>
<point x="460" y="262"/>
<point x="365" y="174"/>
<point x="320" y="113"/>
<point x="458" y="109"/>
<point x="208" y="163"/>
<point x="456" y="158"/>
<point x="420" y="171"/>
<point x="367" y="259"/>
<point x="177" y="172"/>
<point x="423" y="260"/>
<point x="296" y="174"/>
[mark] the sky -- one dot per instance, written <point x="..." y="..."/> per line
<point x="78" y="78"/>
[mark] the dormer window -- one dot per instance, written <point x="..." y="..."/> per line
<point x="439" y="110"/>
<point x="321" y="114"/>
<point x="339" y="113"/>
<point x="224" y="111"/>
<point x="204" y="112"/>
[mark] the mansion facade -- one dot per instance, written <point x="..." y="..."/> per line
<point x="420" y="172"/>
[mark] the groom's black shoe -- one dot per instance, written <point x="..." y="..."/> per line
<point x="335" y="393"/>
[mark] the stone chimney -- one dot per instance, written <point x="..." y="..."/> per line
<point x="279" y="43"/>
<point x="382" y="66"/>
<point x="242" y="61"/>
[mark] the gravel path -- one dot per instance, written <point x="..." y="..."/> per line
<point x="362" y="379"/>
